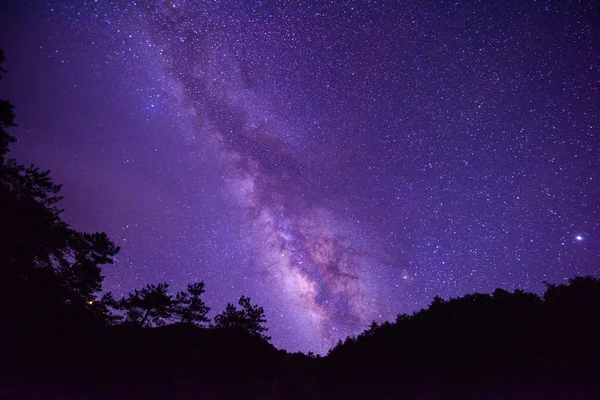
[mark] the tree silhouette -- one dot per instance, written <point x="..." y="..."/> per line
<point x="83" y="274"/>
<point x="45" y="265"/>
<point x="372" y="329"/>
<point x="7" y="118"/>
<point x="189" y="307"/>
<point x="150" y="306"/>
<point x="249" y="318"/>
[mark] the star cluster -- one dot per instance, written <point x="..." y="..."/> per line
<point x="338" y="162"/>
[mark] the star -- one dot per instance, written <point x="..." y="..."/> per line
<point x="579" y="238"/>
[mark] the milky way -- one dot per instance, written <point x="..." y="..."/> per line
<point x="337" y="162"/>
<point x="304" y="250"/>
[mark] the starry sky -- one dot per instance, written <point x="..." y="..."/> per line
<point x="339" y="162"/>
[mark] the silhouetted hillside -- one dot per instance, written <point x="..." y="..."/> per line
<point x="482" y="344"/>
<point x="153" y="362"/>
<point x="504" y="345"/>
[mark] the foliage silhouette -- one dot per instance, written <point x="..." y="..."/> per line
<point x="150" y="306"/>
<point x="189" y="307"/>
<point x="248" y="318"/>
<point x="47" y="269"/>
<point x="7" y="119"/>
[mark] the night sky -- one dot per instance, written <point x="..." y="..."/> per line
<point x="337" y="162"/>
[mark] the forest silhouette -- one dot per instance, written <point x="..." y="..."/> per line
<point x="61" y="337"/>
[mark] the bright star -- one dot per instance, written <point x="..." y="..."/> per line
<point x="579" y="238"/>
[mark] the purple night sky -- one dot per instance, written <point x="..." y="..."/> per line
<point x="338" y="162"/>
